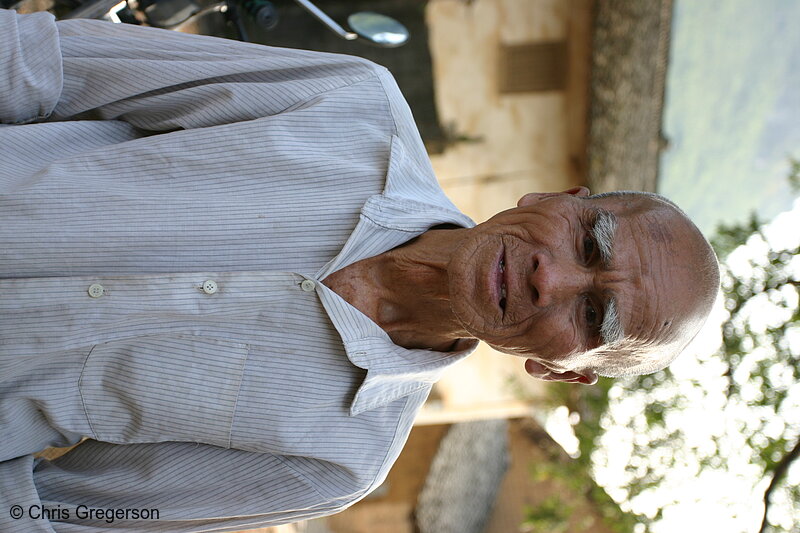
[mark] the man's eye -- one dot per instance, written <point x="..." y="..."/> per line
<point x="588" y="248"/>
<point x="590" y="315"/>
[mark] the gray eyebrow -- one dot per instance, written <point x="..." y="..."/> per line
<point x="603" y="229"/>
<point x="611" y="329"/>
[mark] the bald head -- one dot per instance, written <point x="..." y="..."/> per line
<point x="689" y="284"/>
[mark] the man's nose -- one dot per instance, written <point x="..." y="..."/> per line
<point x="552" y="281"/>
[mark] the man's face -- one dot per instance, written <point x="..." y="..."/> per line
<point x="540" y="280"/>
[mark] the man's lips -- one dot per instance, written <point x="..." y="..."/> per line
<point x="500" y="283"/>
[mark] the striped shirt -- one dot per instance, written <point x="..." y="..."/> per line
<point x="169" y="205"/>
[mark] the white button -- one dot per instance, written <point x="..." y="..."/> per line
<point x="96" y="290"/>
<point x="307" y="285"/>
<point x="209" y="286"/>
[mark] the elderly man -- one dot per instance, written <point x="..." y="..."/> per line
<point x="232" y="269"/>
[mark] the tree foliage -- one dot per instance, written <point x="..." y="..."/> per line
<point x="794" y="174"/>
<point x="556" y="514"/>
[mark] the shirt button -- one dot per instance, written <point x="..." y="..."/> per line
<point x="308" y="285"/>
<point x="96" y="290"/>
<point x="209" y="286"/>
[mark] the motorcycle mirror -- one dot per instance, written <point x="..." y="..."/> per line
<point x="379" y="29"/>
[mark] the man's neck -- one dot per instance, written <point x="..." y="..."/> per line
<point x="405" y="291"/>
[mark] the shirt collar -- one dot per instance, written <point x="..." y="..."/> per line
<point x="392" y="371"/>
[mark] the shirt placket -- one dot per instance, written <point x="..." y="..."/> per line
<point x="39" y="315"/>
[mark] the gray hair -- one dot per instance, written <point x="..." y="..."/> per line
<point x="630" y="357"/>
<point x="652" y="195"/>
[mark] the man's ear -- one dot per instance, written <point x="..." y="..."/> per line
<point x="534" y="197"/>
<point x="539" y="371"/>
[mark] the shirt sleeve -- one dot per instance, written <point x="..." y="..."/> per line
<point x="162" y="487"/>
<point x="30" y="79"/>
<point x="154" y="79"/>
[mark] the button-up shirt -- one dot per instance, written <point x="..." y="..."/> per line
<point x="169" y="207"/>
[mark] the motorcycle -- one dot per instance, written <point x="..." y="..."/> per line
<point x="194" y="16"/>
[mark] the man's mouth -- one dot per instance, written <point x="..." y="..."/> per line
<point x="501" y="281"/>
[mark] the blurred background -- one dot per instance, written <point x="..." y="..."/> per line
<point x="697" y="100"/>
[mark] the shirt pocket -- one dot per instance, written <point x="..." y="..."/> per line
<point x="163" y="388"/>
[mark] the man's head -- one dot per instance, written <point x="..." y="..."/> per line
<point x="612" y="284"/>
